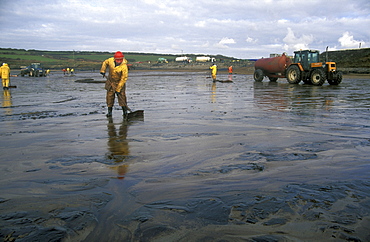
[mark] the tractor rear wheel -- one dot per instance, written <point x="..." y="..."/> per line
<point x="258" y="75"/>
<point x="293" y="74"/>
<point x="318" y="77"/>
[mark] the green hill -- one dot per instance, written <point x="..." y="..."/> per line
<point x="79" y="59"/>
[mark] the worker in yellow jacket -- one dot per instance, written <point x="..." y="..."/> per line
<point x="5" y="74"/>
<point x="214" y="71"/>
<point x="116" y="82"/>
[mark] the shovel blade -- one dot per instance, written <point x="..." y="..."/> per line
<point x="136" y="114"/>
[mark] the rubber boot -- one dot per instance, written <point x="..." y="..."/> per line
<point x="110" y="109"/>
<point x="124" y="110"/>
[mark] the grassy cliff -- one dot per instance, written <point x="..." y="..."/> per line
<point x="350" y="61"/>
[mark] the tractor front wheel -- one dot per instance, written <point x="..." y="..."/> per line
<point x="338" y="80"/>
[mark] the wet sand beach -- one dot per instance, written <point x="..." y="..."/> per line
<point x="210" y="161"/>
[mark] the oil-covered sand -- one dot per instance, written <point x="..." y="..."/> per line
<point x="234" y="161"/>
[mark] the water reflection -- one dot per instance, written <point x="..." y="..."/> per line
<point x="118" y="146"/>
<point x="276" y="96"/>
<point x="230" y="77"/>
<point x="7" y="102"/>
<point x="213" y="92"/>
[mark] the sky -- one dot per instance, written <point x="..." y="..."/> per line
<point x="242" y="29"/>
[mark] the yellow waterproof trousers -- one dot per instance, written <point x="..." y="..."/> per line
<point x="5" y="82"/>
<point x="111" y="94"/>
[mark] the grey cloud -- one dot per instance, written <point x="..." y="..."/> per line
<point x="192" y="27"/>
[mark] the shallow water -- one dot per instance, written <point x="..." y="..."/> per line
<point x="209" y="161"/>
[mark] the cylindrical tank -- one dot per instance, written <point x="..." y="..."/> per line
<point x="183" y="58"/>
<point x="274" y="64"/>
<point x="203" y="59"/>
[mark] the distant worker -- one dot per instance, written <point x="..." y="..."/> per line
<point x="116" y="82"/>
<point x="230" y="70"/>
<point x="214" y="71"/>
<point x="47" y="72"/>
<point x="68" y="71"/>
<point x="72" y="71"/>
<point x="64" y="71"/>
<point x="5" y="75"/>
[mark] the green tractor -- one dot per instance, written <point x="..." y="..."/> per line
<point x="307" y="67"/>
<point x="35" y="69"/>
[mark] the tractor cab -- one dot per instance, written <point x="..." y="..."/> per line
<point x="307" y="59"/>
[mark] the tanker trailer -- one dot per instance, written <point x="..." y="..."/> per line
<point x="183" y="59"/>
<point x="204" y="59"/>
<point x="273" y="68"/>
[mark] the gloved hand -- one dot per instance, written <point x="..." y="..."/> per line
<point x="102" y="74"/>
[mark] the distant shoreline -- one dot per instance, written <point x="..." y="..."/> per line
<point x="237" y="71"/>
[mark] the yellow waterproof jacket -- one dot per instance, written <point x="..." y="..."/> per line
<point x="214" y="69"/>
<point x="5" y="71"/>
<point x="117" y="74"/>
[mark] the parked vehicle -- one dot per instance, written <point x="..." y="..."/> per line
<point x="35" y="69"/>
<point x="162" y="60"/>
<point x="304" y="67"/>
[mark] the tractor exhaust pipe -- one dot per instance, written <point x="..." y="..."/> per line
<point x="327" y="54"/>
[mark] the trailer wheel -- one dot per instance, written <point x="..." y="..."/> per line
<point x="318" y="77"/>
<point x="273" y="79"/>
<point x="338" y="80"/>
<point x="258" y="75"/>
<point x="293" y="74"/>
